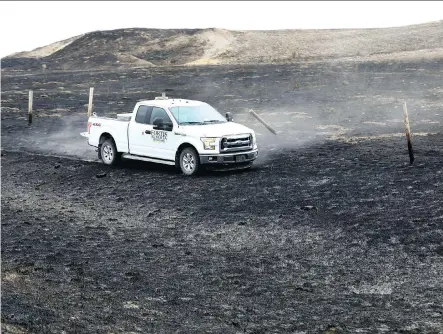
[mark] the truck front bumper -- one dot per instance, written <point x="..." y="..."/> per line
<point x="228" y="158"/>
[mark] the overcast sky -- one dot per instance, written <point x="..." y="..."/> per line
<point x="27" y="25"/>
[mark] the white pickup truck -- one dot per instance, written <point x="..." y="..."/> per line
<point x="185" y="133"/>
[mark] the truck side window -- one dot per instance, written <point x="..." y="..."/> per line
<point x="143" y="114"/>
<point x="159" y="113"/>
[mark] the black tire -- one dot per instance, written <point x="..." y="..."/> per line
<point x="108" y="152"/>
<point x="189" y="161"/>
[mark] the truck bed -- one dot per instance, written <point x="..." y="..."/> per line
<point x="116" y="127"/>
<point x="120" y="117"/>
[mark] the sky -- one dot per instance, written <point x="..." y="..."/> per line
<point x="26" y="25"/>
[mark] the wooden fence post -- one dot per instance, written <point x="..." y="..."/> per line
<point x="262" y="121"/>
<point x="30" y="107"/>
<point x="91" y="95"/>
<point x="408" y="133"/>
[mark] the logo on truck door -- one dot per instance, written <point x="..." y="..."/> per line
<point x="159" y="136"/>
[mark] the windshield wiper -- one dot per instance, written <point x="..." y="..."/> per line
<point x="187" y="123"/>
<point x="205" y="122"/>
<point x="215" y="121"/>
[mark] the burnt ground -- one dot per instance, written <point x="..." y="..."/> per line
<point x="331" y="231"/>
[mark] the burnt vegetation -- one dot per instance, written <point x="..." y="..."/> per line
<point x="332" y="231"/>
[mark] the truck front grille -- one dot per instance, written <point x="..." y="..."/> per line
<point x="236" y="143"/>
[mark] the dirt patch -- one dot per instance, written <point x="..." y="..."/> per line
<point x="47" y="50"/>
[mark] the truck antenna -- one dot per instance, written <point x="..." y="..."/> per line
<point x="164" y="95"/>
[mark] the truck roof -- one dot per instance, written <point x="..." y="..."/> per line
<point x="171" y="102"/>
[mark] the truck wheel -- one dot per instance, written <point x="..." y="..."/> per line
<point x="189" y="161"/>
<point x="108" y="152"/>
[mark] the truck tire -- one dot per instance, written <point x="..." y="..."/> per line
<point x="189" y="161"/>
<point x="108" y="152"/>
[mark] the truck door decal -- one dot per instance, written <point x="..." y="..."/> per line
<point x="159" y="136"/>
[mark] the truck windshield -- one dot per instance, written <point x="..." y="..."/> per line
<point x="200" y="114"/>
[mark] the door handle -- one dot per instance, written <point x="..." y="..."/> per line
<point x="148" y="132"/>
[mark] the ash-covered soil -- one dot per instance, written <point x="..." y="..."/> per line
<point x="332" y="231"/>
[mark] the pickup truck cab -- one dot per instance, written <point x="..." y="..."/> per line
<point x="185" y="133"/>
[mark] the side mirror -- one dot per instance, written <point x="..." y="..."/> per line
<point x="167" y="127"/>
<point x="229" y="117"/>
<point x="159" y="124"/>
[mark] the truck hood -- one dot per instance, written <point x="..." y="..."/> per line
<point x="214" y="130"/>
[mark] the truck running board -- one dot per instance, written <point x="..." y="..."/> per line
<point x="138" y="157"/>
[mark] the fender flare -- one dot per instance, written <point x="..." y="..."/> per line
<point x="186" y="142"/>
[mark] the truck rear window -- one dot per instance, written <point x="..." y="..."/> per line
<point x="143" y="114"/>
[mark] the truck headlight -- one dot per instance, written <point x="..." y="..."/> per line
<point x="254" y="139"/>
<point x="208" y="143"/>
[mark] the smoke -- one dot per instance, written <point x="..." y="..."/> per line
<point x="59" y="136"/>
<point x="68" y="141"/>
<point x="306" y="105"/>
<point x="300" y="125"/>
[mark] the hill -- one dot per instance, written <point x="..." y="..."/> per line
<point x="165" y="47"/>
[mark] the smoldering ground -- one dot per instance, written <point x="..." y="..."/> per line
<point x="332" y="236"/>
<point x="341" y="238"/>
<point x="60" y="136"/>
<point x="305" y="104"/>
<point x="301" y="123"/>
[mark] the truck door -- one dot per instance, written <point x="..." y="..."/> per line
<point x="139" y="132"/>
<point x="163" y="140"/>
